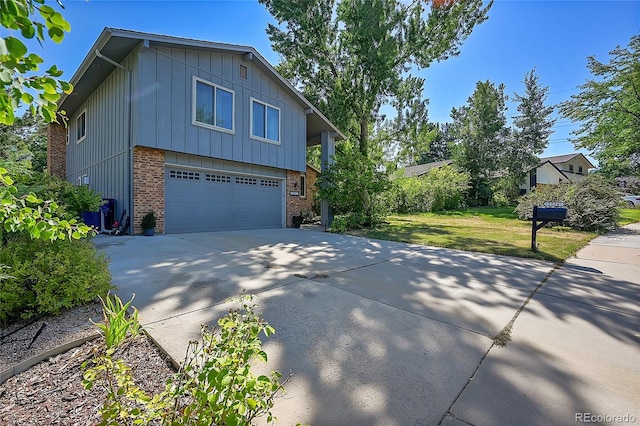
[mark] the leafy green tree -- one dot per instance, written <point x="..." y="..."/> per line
<point x="18" y="68"/>
<point x="353" y="57"/>
<point x="354" y="185"/>
<point x="608" y="110"/>
<point x="532" y="128"/>
<point x="480" y="133"/>
<point x="23" y="144"/>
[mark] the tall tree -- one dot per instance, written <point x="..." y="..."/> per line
<point x="23" y="145"/>
<point x="353" y="57"/>
<point x="440" y="147"/>
<point x="532" y="128"/>
<point x="608" y="110"/>
<point x="480" y="133"/>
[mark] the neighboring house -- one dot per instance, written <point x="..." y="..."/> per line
<point x="558" y="169"/>
<point x="208" y="135"/>
<point x="423" y="169"/>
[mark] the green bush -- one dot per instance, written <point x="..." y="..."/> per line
<point x="45" y="277"/>
<point x="441" y="189"/>
<point x="355" y="185"/>
<point x="71" y="199"/>
<point x="593" y="204"/>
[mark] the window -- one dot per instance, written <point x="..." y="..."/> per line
<point x="243" y="72"/>
<point x="303" y="185"/>
<point x="265" y="121"/>
<point x="571" y="167"/>
<point x="213" y="106"/>
<point x="81" y="127"/>
<point x="179" y="174"/>
<point x="579" y="170"/>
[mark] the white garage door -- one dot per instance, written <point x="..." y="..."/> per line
<point x="199" y="201"/>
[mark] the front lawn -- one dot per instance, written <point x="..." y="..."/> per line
<point x="629" y="216"/>
<point x="483" y="229"/>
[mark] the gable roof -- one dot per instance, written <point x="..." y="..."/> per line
<point x="422" y="169"/>
<point x="116" y="44"/>
<point x="566" y="157"/>
<point x="554" y="166"/>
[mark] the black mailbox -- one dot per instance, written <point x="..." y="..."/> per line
<point x="545" y="215"/>
<point x="552" y="213"/>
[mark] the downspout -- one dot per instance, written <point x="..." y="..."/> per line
<point x="129" y="134"/>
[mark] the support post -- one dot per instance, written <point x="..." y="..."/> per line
<point x="328" y="145"/>
<point x="534" y="229"/>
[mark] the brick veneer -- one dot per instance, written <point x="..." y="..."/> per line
<point x="296" y="205"/>
<point x="57" y="150"/>
<point x="148" y="186"/>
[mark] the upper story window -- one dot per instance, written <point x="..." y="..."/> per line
<point x="81" y="127"/>
<point x="213" y="105"/>
<point x="571" y="167"/>
<point x="265" y="121"/>
<point x="580" y="170"/>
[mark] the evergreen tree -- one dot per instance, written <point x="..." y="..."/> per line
<point x="532" y="128"/>
<point x="480" y="134"/>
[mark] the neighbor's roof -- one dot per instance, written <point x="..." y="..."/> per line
<point x="421" y="169"/>
<point x="116" y="44"/>
<point x="564" y="158"/>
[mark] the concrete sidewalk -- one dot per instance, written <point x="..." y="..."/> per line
<point x="379" y="332"/>
<point x="575" y="350"/>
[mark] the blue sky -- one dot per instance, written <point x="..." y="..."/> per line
<point x="554" y="36"/>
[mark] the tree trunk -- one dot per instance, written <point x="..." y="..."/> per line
<point x="364" y="136"/>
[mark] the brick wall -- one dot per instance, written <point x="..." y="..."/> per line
<point x="148" y="186"/>
<point x="296" y="205"/>
<point x="57" y="150"/>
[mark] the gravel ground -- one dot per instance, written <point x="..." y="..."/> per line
<point x="51" y="392"/>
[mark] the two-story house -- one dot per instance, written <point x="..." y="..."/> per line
<point x="557" y="169"/>
<point x="208" y="135"/>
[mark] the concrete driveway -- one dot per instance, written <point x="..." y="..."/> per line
<point x="388" y="333"/>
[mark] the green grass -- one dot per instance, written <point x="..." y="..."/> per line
<point x="495" y="230"/>
<point x="629" y="216"/>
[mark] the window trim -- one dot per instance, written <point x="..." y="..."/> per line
<point x="195" y="122"/>
<point x="84" y="136"/>
<point x="260" y="138"/>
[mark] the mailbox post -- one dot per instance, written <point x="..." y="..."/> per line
<point x="545" y="215"/>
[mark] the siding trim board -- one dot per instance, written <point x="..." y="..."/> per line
<point x="222" y="171"/>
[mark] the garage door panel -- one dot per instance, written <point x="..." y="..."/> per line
<point x="203" y="201"/>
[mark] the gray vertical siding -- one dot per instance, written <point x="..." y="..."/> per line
<point x="164" y="104"/>
<point x="186" y="160"/>
<point x="103" y="155"/>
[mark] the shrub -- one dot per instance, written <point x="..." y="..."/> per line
<point x="71" y="199"/>
<point x="593" y="204"/>
<point x="354" y="185"/>
<point x="215" y="385"/>
<point x="45" y="277"/>
<point x="148" y="221"/>
<point x="443" y="188"/>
